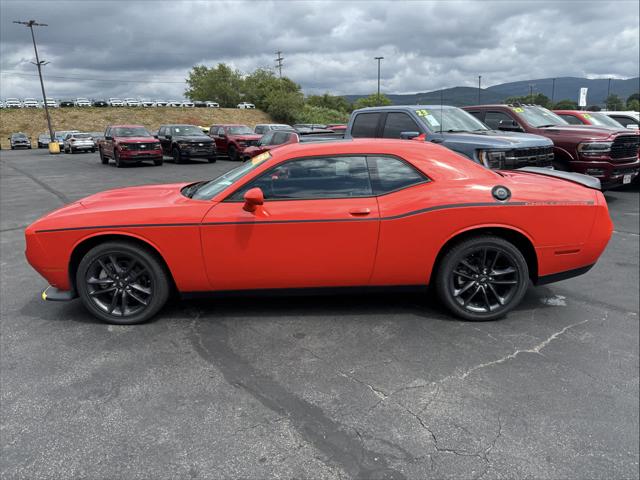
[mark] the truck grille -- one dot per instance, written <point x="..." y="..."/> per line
<point x="530" y="157"/>
<point x="625" y="146"/>
<point x="251" y="143"/>
<point x="142" y="146"/>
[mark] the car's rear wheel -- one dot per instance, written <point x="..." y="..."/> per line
<point x="233" y="153"/>
<point x="158" y="162"/>
<point x="482" y="278"/>
<point x="177" y="156"/>
<point x="122" y="283"/>
<point x="103" y="159"/>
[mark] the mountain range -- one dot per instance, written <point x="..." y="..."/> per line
<point x="565" y="88"/>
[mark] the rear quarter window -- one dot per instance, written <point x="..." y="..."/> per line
<point x="365" y="125"/>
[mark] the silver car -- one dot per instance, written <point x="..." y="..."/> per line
<point x="78" y="142"/>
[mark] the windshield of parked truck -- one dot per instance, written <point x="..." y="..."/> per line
<point x="240" y="130"/>
<point x="130" y="132"/>
<point x="601" y="120"/>
<point x="539" y="117"/>
<point x="449" y="120"/>
<point x="187" y="131"/>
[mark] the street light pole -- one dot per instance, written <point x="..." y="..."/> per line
<point x="531" y="92"/>
<point x="553" y="90"/>
<point x="479" y="83"/>
<point x="378" y="94"/>
<point x="31" y="24"/>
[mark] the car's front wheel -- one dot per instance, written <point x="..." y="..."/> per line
<point x="116" y="158"/>
<point x="482" y="278"/>
<point x="233" y="153"/>
<point x="177" y="155"/>
<point x="104" y="160"/>
<point x="122" y="283"/>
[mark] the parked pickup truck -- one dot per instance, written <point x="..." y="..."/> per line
<point x="611" y="155"/>
<point x="186" y="142"/>
<point x="455" y="129"/>
<point x="231" y="140"/>
<point x="129" y="144"/>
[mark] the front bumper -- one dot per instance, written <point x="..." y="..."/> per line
<point x="611" y="174"/>
<point x="139" y="155"/>
<point x="197" y="152"/>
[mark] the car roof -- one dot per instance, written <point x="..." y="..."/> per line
<point x="127" y="126"/>
<point x="405" y="107"/>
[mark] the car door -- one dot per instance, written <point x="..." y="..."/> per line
<point x="220" y="137"/>
<point x="318" y="227"/>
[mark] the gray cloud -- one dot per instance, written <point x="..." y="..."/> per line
<point x="328" y="46"/>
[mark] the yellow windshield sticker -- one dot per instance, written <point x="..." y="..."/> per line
<point x="586" y="115"/>
<point x="422" y="113"/>
<point x="518" y="109"/>
<point x="260" y="158"/>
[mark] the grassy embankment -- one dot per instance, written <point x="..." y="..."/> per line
<point x="33" y="121"/>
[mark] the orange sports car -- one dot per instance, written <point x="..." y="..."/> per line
<point x="358" y="213"/>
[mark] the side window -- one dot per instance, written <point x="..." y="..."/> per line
<point x="397" y="123"/>
<point x="624" y="121"/>
<point x="313" y="178"/>
<point x="570" y="119"/>
<point x="365" y="125"/>
<point x="259" y="129"/>
<point x="478" y="115"/>
<point x="493" y="119"/>
<point x="389" y="174"/>
<point x="280" y="137"/>
<point x="161" y="132"/>
<point x="266" y="139"/>
<point x="220" y="131"/>
<point x="107" y="132"/>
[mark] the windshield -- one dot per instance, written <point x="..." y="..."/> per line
<point x="601" y="120"/>
<point x="539" y="117"/>
<point x="130" y="132"/>
<point x="240" y="130"/>
<point x="208" y="190"/>
<point x="81" y="135"/>
<point x="449" y="120"/>
<point x="187" y="131"/>
<point x="19" y="135"/>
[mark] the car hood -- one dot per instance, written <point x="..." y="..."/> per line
<point x="193" y="139"/>
<point x="136" y="139"/>
<point x="497" y="139"/>
<point x="587" y="131"/>
<point x="246" y="137"/>
<point x="134" y="197"/>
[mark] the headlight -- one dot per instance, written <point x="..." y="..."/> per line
<point x="492" y="159"/>
<point x="124" y="146"/>
<point x="594" y="148"/>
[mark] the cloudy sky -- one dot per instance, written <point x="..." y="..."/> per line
<point x="100" y="48"/>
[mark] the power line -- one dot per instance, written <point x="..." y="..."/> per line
<point x="92" y="79"/>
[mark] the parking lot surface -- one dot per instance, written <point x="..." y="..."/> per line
<point x="353" y="386"/>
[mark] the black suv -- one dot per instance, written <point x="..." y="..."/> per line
<point x="186" y="141"/>
<point x="19" y="140"/>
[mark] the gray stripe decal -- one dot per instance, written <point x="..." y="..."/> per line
<point x="335" y="220"/>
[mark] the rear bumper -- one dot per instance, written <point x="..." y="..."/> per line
<point x="557" y="277"/>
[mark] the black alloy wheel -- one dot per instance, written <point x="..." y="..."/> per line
<point x="122" y="283"/>
<point x="177" y="155"/>
<point x="233" y="153"/>
<point x="482" y="278"/>
<point x="103" y="159"/>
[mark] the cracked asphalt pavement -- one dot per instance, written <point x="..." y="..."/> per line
<point x="354" y="386"/>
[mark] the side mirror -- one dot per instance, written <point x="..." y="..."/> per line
<point x="108" y="137"/>
<point x="252" y="198"/>
<point x="509" y="126"/>
<point x="409" y="135"/>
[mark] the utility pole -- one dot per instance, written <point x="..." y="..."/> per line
<point x="479" y="87"/>
<point x="39" y="64"/>
<point x="553" y="90"/>
<point x="531" y="92"/>
<point x="378" y="94"/>
<point x="279" y="60"/>
<point x="608" y="92"/>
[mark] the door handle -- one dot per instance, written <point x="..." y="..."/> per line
<point x="437" y="140"/>
<point x="359" y="212"/>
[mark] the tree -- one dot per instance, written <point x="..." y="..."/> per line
<point x="332" y="102"/>
<point x="566" y="104"/>
<point x="537" y="99"/>
<point x="614" y="102"/>
<point x="284" y="106"/>
<point x="259" y="85"/>
<point x="633" y="105"/>
<point x="322" y="115"/>
<point x="373" y="100"/>
<point x="221" y="84"/>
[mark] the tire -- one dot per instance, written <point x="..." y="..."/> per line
<point x="482" y="278"/>
<point x="104" y="160"/>
<point x="116" y="158"/>
<point x="176" y="154"/>
<point x="232" y="151"/>
<point x="71" y="150"/>
<point x="211" y="159"/>
<point x="93" y="150"/>
<point x="158" y="162"/>
<point x="104" y="269"/>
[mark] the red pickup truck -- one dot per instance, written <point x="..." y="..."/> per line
<point x="231" y="140"/>
<point x="270" y="140"/>
<point x="129" y="144"/>
<point x="611" y="155"/>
